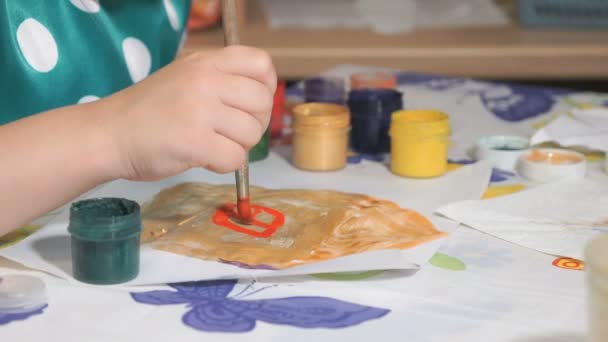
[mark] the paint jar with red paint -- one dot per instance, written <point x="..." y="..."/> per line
<point x="373" y="80"/>
<point x="320" y="136"/>
<point x="278" y="108"/>
<point x="596" y="263"/>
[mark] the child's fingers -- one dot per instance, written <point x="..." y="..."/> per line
<point x="246" y="95"/>
<point x="249" y="62"/>
<point x="240" y="127"/>
<point x="221" y="155"/>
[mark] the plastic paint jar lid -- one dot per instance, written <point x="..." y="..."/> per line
<point x="324" y="115"/>
<point x="105" y="240"/>
<point x="21" y="294"/>
<point x="502" y="150"/>
<point x="549" y="165"/>
<point x="373" y="80"/>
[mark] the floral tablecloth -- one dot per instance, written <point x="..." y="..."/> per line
<point x="476" y="288"/>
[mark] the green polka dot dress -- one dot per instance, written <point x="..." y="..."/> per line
<point x="55" y="53"/>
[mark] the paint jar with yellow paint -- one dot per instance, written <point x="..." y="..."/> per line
<point x="596" y="261"/>
<point x="419" y="143"/>
<point x="320" y="136"/>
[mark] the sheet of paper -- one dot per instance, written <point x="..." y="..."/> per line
<point x="49" y="249"/>
<point x="582" y="128"/>
<point x="558" y="218"/>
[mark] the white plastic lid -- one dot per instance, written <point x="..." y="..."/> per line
<point x="21" y="293"/>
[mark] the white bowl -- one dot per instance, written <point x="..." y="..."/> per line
<point x="502" y="151"/>
<point x="551" y="164"/>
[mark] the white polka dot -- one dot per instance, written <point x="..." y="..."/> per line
<point x="37" y="45"/>
<point x="182" y="41"/>
<point x="137" y="57"/>
<point x="88" y="98"/>
<point x="89" y="6"/>
<point x="172" y="14"/>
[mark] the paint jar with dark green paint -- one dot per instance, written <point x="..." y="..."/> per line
<point x="105" y="240"/>
<point x="262" y="149"/>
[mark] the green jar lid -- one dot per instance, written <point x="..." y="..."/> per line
<point x="104" y="219"/>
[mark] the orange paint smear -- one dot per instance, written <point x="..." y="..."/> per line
<point x="244" y="210"/>
<point x="224" y="215"/>
<point x="555" y="158"/>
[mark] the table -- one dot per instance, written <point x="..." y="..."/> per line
<point x="475" y="288"/>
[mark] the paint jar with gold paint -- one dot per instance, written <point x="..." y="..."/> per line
<point x="596" y="261"/>
<point x="320" y="136"/>
<point x="419" y="143"/>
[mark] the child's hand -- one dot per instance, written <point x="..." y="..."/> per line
<point x="200" y="111"/>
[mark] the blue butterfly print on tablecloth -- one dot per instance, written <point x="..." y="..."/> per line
<point x="509" y="102"/>
<point x="6" y="318"/>
<point x="432" y="82"/>
<point x="211" y="309"/>
<point x="498" y="175"/>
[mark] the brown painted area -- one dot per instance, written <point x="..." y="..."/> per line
<point x="319" y="225"/>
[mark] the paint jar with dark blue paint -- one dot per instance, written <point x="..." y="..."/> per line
<point x="371" y="111"/>
<point x="105" y="240"/>
<point x="325" y="90"/>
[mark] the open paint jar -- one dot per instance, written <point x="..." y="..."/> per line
<point x="596" y="262"/>
<point x="503" y="151"/>
<point x="419" y="143"/>
<point x="261" y="150"/>
<point x="325" y="89"/>
<point x="546" y="165"/>
<point x="105" y="240"/>
<point x="320" y="136"/>
<point x="371" y="111"/>
<point x="373" y="80"/>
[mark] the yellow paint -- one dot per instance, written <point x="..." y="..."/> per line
<point x="595" y="156"/>
<point x="453" y="166"/>
<point x="502" y="190"/>
<point x="419" y="143"/>
<point x="17" y="235"/>
<point x="544" y="122"/>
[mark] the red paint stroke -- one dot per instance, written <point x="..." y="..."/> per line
<point x="243" y="208"/>
<point x="224" y="215"/>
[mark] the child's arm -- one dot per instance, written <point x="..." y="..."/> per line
<point x="197" y="112"/>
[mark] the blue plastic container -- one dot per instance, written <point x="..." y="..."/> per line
<point x="564" y="13"/>
<point x="371" y="111"/>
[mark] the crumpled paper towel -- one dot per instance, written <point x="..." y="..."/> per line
<point x="558" y="218"/>
<point x="582" y="127"/>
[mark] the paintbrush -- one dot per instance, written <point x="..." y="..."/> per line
<point x="231" y="37"/>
